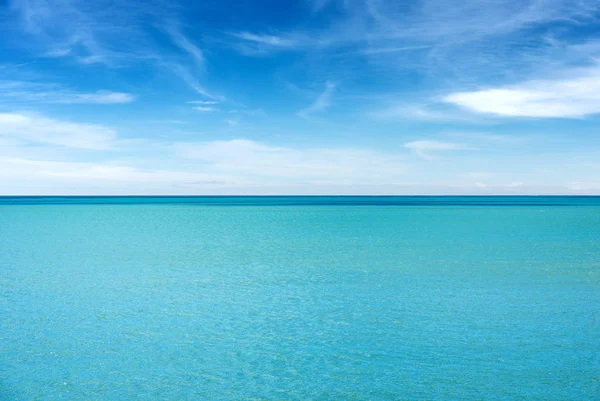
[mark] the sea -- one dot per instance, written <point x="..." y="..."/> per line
<point x="299" y="298"/>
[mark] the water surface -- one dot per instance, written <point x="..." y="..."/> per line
<point x="299" y="298"/>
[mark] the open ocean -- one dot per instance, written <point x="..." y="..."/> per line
<point x="299" y="298"/>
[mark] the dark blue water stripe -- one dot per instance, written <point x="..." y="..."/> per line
<point x="307" y="200"/>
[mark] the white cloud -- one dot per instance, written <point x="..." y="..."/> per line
<point x="100" y="97"/>
<point x="472" y="19"/>
<point x="30" y="176"/>
<point x="35" y="92"/>
<point x="242" y="166"/>
<point x="184" y="43"/>
<point x="318" y="5"/>
<point x="478" y="175"/>
<point x="321" y="103"/>
<point x="388" y="50"/>
<point x="426" y="148"/>
<point x="204" y="102"/>
<point x="450" y="42"/>
<point x="203" y="109"/>
<point x="100" y="31"/>
<point x="512" y="187"/>
<point x="267" y="164"/>
<point x="114" y="34"/>
<point x="260" y="44"/>
<point x="236" y="166"/>
<point x="185" y="75"/>
<point x="585" y="187"/>
<point x="425" y="112"/>
<point x="270" y="40"/>
<point x="27" y="168"/>
<point x="56" y="53"/>
<point x="31" y="128"/>
<point x="575" y="94"/>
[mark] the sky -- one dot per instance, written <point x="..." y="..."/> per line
<point x="123" y="97"/>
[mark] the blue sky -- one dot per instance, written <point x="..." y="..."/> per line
<point x="300" y="97"/>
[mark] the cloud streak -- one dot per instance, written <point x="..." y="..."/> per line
<point x="575" y="95"/>
<point x="261" y="44"/>
<point x="31" y="128"/>
<point x="203" y="102"/>
<point x="204" y="109"/>
<point x="270" y="40"/>
<point x="108" y="33"/>
<point x="186" y="44"/>
<point x="102" y="31"/>
<point x="283" y="165"/>
<point x="32" y="92"/>
<point x="321" y="103"/>
<point x="428" y="148"/>
<point x="186" y="76"/>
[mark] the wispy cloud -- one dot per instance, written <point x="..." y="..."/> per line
<point x="321" y="103"/>
<point x="204" y="109"/>
<point x="58" y="52"/>
<point x="101" y="97"/>
<point x="463" y="40"/>
<point x="585" y="187"/>
<point x="388" y="50"/>
<point x="113" y="34"/>
<point x="259" y="162"/>
<point x="428" y="148"/>
<point x="213" y="166"/>
<point x="575" y="94"/>
<point x="204" y="102"/>
<point x="185" y="75"/>
<point x="514" y="187"/>
<point x="91" y="32"/>
<point x="318" y="5"/>
<point x="31" y="176"/>
<point x="259" y="44"/>
<point x="33" y="92"/>
<point x="271" y="40"/>
<point x="32" y="128"/>
<point x="469" y="20"/>
<point x="477" y="175"/>
<point x="230" y="166"/>
<point x="430" y="111"/>
<point x="186" y="44"/>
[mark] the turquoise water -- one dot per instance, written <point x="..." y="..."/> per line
<point x="297" y="298"/>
